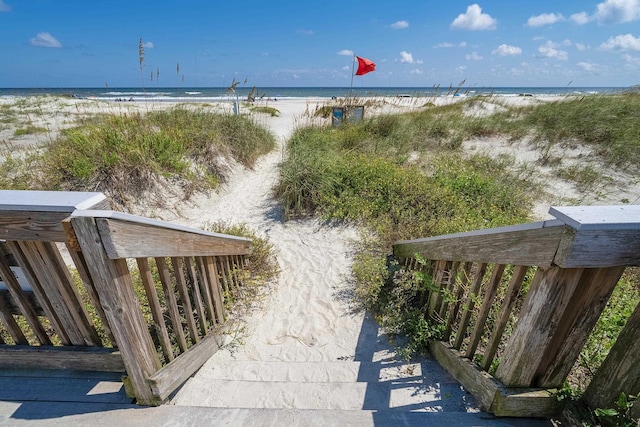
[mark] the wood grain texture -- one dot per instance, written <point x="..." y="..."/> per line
<point x="198" y="298"/>
<point x="487" y="303"/>
<point x="599" y="248"/>
<point x="124" y="239"/>
<point x="510" y="298"/>
<point x="155" y="307"/>
<point x="458" y="295"/>
<point x="170" y="377"/>
<point x="183" y="291"/>
<point x="468" y="308"/>
<point x="620" y="372"/>
<point x="171" y="302"/>
<point x="114" y="287"/>
<point x="527" y="244"/>
<point x="71" y="358"/>
<point x="6" y="317"/>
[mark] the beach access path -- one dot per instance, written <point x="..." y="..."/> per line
<point x="304" y="357"/>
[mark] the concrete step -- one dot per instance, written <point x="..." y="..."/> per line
<point x="408" y="394"/>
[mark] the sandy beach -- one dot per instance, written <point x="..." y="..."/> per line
<point x="307" y="316"/>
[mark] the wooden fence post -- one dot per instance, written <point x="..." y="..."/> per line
<point x="122" y="310"/>
<point x="558" y="314"/>
<point x="620" y="371"/>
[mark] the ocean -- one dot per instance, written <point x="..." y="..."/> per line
<point x="205" y="94"/>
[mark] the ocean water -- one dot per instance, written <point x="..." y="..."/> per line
<point x="202" y="94"/>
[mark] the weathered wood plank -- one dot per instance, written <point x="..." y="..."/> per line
<point x="71" y="358"/>
<point x="599" y="248"/>
<point x="479" y="383"/>
<point x="128" y="236"/>
<point x="52" y="273"/>
<point x="468" y="309"/>
<point x="181" y="283"/>
<point x="458" y="295"/>
<point x="487" y="303"/>
<point x="10" y="323"/>
<point x="83" y="272"/>
<point x="198" y="298"/>
<point x="29" y="225"/>
<point x="173" y="375"/>
<point x="205" y="289"/>
<point x="212" y="279"/>
<point x="557" y="316"/>
<point x="172" y="303"/>
<point x="154" y="304"/>
<point x="435" y="296"/>
<point x="23" y="303"/>
<point x="224" y="279"/>
<point x="584" y="309"/>
<point x="510" y="298"/>
<point x="39" y="291"/>
<point x="620" y="372"/>
<point x="490" y="393"/>
<point x="114" y="287"/>
<point x="450" y="287"/>
<point x="527" y="244"/>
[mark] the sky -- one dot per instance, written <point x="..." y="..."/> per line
<point x="298" y="43"/>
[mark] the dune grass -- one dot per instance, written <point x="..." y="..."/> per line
<point x="130" y="155"/>
<point x="404" y="176"/>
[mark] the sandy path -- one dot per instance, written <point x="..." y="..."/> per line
<point x="304" y="317"/>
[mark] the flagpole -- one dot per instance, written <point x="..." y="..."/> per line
<point x="353" y="65"/>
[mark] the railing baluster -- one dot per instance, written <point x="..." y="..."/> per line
<point x="172" y="304"/>
<point x="154" y="304"/>
<point x="459" y="294"/>
<point x="10" y="323"/>
<point x="205" y="288"/>
<point x="468" y="310"/>
<point x="184" y="296"/>
<point x="221" y="272"/>
<point x="199" y="301"/>
<point x="435" y="296"/>
<point x="214" y="283"/>
<point x="489" y="296"/>
<point x="22" y="302"/>
<point x="451" y="283"/>
<point x="510" y="299"/>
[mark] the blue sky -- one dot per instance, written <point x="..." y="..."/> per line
<point x="93" y="43"/>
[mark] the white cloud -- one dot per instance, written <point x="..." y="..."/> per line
<point x="587" y="66"/>
<point x="407" y="58"/>
<point x="45" y="40"/>
<point x="148" y="45"/>
<point x="445" y="44"/>
<point x="507" y="50"/>
<point x="544" y="19"/>
<point x="580" y="18"/>
<point x="550" y="50"/>
<point x="474" y="20"/>
<point x="631" y="59"/>
<point x="461" y="68"/>
<point x="346" y="52"/>
<point x="4" y="7"/>
<point x="581" y="47"/>
<point x="473" y="56"/>
<point x="306" y="32"/>
<point x="622" y="42"/>
<point x="399" y="25"/>
<point x="416" y="71"/>
<point x="346" y="68"/>
<point x="462" y="44"/>
<point x="617" y="11"/>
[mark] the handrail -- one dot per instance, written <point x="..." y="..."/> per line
<point x="159" y="290"/>
<point x="130" y="236"/>
<point x="572" y="263"/>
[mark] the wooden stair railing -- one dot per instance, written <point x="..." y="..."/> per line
<point x="159" y="331"/>
<point x="570" y="266"/>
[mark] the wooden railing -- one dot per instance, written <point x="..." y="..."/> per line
<point x="567" y="268"/>
<point x="157" y="292"/>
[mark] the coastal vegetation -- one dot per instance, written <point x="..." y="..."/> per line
<point x="406" y="176"/>
<point x="130" y="156"/>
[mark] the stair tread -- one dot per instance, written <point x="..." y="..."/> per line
<point x="409" y="394"/>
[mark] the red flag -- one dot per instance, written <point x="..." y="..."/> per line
<point x="365" y="66"/>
